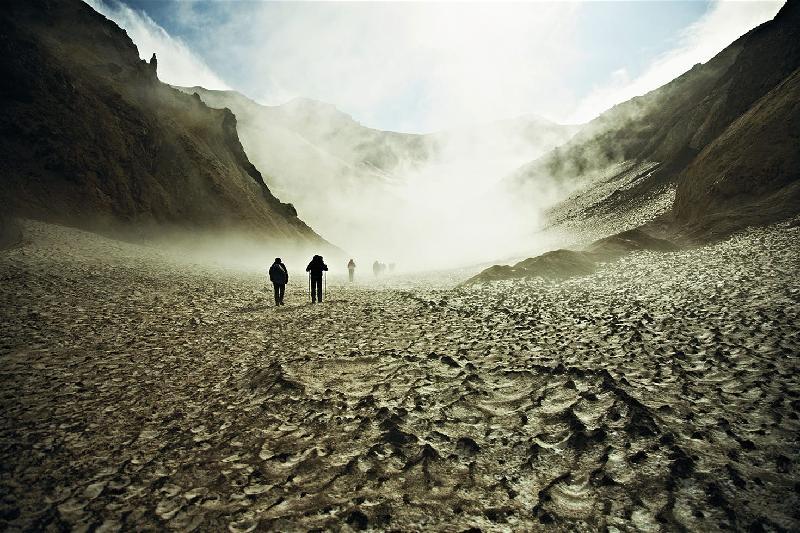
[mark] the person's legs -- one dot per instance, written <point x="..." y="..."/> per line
<point x="276" y="288"/>
<point x="351" y="276"/>
<point x="281" y="292"/>
<point x="316" y="289"/>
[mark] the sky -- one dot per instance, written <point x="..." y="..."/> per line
<point x="422" y="67"/>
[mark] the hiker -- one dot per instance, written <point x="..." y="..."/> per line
<point x="351" y="269"/>
<point x="279" y="277"/>
<point x="315" y="269"/>
<point x="376" y="268"/>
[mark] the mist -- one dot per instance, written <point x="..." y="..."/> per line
<point x="420" y="201"/>
<point x="489" y="89"/>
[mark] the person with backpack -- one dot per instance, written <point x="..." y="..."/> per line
<point x="279" y="277"/>
<point x="351" y="269"/>
<point x="315" y="269"/>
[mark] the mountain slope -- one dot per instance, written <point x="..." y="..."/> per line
<point x="711" y="152"/>
<point x="92" y="138"/>
<point x="292" y="150"/>
<point x="313" y="137"/>
<point x="666" y="130"/>
<point x="751" y="172"/>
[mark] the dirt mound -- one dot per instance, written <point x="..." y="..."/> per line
<point x="557" y="264"/>
<point x="560" y="264"/>
<point x="629" y="241"/>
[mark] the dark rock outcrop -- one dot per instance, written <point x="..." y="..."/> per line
<point x="91" y="138"/>
<point x="154" y="64"/>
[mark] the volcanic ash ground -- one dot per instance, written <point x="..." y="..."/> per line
<point x="659" y="393"/>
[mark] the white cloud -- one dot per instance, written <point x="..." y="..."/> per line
<point x="416" y="67"/>
<point x="177" y="64"/>
<point x="719" y="27"/>
<point x="431" y="65"/>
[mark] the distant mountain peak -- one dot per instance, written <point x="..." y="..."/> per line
<point x="301" y="105"/>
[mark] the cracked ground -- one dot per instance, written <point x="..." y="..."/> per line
<point x="140" y="392"/>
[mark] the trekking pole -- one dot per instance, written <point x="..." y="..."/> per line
<point x="325" y="284"/>
<point x="309" y="287"/>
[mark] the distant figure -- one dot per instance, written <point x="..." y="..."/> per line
<point x="376" y="268"/>
<point x="351" y="269"/>
<point x="154" y="64"/>
<point x="279" y="277"/>
<point x="315" y="269"/>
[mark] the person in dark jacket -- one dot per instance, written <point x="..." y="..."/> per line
<point x="279" y="277"/>
<point x="351" y="269"/>
<point x="315" y="269"/>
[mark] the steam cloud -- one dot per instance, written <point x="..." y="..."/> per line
<point x="478" y="63"/>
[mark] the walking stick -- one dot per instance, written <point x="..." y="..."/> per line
<point x="325" y="284"/>
<point x="309" y="287"/>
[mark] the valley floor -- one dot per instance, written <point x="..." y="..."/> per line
<point x="660" y="393"/>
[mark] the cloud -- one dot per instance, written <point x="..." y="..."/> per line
<point x="406" y="66"/>
<point x="721" y="25"/>
<point x="177" y="64"/>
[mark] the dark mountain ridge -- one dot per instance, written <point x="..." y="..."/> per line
<point x="91" y="138"/>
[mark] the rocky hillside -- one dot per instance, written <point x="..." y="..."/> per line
<point x="709" y="153"/>
<point x="91" y="138"/>
<point x="724" y="134"/>
<point x="751" y="172"/>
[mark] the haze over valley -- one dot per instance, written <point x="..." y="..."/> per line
<point x="376" y="193"/>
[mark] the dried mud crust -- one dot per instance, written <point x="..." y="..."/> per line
<point x="659" y="393"/>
